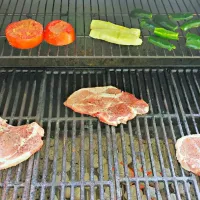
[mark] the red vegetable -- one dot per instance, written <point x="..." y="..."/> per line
<point x="24" y="34"/>
<point x="59" y="33"/>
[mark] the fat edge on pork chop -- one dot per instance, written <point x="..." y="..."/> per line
<point x="109" y="104"/>
<point x="18" y="143"/>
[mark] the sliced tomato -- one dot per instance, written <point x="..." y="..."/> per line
<point x="24" y="34"/>
<point x="59" y="33"/>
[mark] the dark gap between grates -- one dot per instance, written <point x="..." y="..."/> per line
<point x="81" y="157"/>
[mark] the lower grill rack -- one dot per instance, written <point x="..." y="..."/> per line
<point x="84" y="159"/>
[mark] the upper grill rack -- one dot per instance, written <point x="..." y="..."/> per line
<point x="80" y="14"/>
<point x="72" y="140"/>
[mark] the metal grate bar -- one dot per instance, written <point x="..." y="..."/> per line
<point x="148" y="116"/>
<point x="82" y="155"/>
<point x="166" y="143"/>
<point x="39" y="115"/>
<point x="73" y="145"/>
<point x="56" y="142"/>
<point x="180" y="105"/>
<point x="171" y="127"/>
<point x="100" y="154"/>
<point x="45" y="168"/>
<point x="191" y="90"/>
<point x="110" y="152"/>
<point x="115" y="156"/>
<point x="188" y="104"/>
<point x="20" y="118"/>
<point x="133" y="150"/>
<point x="30" y="162"/>
<point x="178" y="118"/>
<point x="125" y="161"/>
<point x="140" y="136"/>
<point x="156" y="135"/>
<point x="65" y="138"/>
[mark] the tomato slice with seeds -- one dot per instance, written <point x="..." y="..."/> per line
<point x="24" y="34"/>
<point x="59" y="33"/>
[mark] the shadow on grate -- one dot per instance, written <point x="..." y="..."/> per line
<point x="84" y="159"/>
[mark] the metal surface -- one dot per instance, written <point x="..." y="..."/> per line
<point x="38" y="95"/>
<point x="80" y="14"/>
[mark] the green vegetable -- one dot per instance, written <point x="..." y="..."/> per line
<point x="148" y="24"/>
<point x="141" y="13"/>
<point x="99" y="24"/>
<point x="193" y="23"/>
<point x="180" y="16"/>
<point x="192" y="41"/>
<point x="161" y="32"/>
<point x="164" y="21"/>
<point x="115" y="36"/>
<point x="160" y="42"/>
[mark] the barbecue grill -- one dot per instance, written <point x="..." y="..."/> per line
<point x="82" y="157"/>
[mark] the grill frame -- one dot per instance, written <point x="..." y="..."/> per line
<point x="86" y="51"/>
<point x="19" y="80"/>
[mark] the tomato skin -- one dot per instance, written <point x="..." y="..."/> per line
<point x="24" y="34"/>
<point x="59" y="33"/>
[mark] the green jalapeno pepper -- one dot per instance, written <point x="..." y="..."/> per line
<point x="141" y="13"/>
<point x="164" y="21"/>
<point x="192" y="41"/>
<point x="180" y="16"/>
<point x="148" y="24"/>
<point x="160" y="42"/>
<point x="161" y="32"/>
<point x="193" y="23"/>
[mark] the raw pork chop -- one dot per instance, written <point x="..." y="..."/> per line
<point x="18" y="143"/>
<point x="111" y="105"/>
<point x="188" y="153"/>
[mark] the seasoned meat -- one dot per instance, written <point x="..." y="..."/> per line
<point x="188" y="153"/>
<point x="18" y="143"/>
<point x="111" y="105"/>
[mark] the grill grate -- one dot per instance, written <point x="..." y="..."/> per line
<point x="94" y="151"/>
<point x="80" y="14"/>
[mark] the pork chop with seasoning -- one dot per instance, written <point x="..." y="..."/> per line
<point x="188" y="152"/>
<point x="18" y="143"/>
<point x="109" y="104"/>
